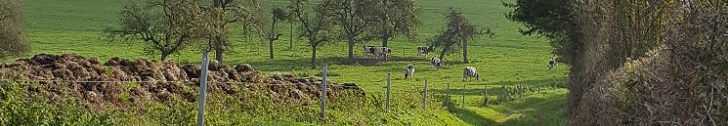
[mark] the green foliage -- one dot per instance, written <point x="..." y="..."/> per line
<point x="394" y="17"/>
<point x="224" y="12"/>
<point x="353" y="17"/>
<point x="18" y="107"/>
<point x="165" y="26"/>
<point x="549" y="18"/>
<point x="317" y="29"/>
<point x="11" y="29"/>
<point x="458" y="31"/>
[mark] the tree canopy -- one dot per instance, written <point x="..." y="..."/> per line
<point x="395" y="17"/>
<point x="354" y="17"/>
<point x="457" y="32"/>
<point x="165" y="26"/>
<point x="318" y="29"/>
<point x="548" y="18"/>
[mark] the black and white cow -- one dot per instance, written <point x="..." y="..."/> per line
<point x="382" y="52"/>
<point x="369" y="51"/>
<point x="470" y="72"/>
<point x="436" y="62"/>
<point x="410" y="71"/>
<point x="424" y="50"/>
<point x="552" y="64"/>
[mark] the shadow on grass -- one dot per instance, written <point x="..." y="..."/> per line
<point x="549" y="110"/>
<point x="292" y="64"/>
<point x="470" y="117"/>
<point x="531" y="110"/>
<point x="305" y="63"/>
<point x="495" y="88"/>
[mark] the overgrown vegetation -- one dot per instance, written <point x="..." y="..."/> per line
<point x="660" y="62"/>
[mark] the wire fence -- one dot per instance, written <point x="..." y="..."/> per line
<point x="180" y="81"/>
<point x="449" y="96"/>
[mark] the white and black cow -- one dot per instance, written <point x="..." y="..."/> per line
<point x="436" y="62"/>
<point x="424" y="50"/>
<point x="410" y="71"/>
<point x="470" y="72"/>
<point x="382" y="52"/>
<point x="369" y="51"/>
<point x="552" y="64"/>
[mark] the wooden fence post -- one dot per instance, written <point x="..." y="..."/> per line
<point x="323" y="93"/>
<point x="502" y="96"/>
<point x="447" y="95"/>
<point x="203" y="90"/>
<point x="485" y="95"/>
<point x="463" y="93"/>
<point x="389" y="76"/>
<point x="424" y="96"/>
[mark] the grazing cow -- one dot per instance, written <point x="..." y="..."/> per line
<point x="436" y="62"/>
<point x="369" y="51"/>
<point x="410" y="71"/>
<point x="552" y="64"/>
<point x="389" y="52"/>
<point x="382" y="52"/>
<point x="424" y="50"/>
<point x="470" y="72"/>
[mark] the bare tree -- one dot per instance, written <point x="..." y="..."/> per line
<point x="458" y="32"/>
<point x="292" y="20"/>
<point x="316" y="29"/>
<point x="165" y="26"/>
<point x="224" y="12"/>
<point x="11" y="29"/>
<point x="271" y="35"/>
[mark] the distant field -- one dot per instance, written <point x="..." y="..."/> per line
<point x="75" y="26"/>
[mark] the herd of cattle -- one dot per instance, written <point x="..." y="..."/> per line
<point x="377" y="52"/>
<point x="469" y="72"/>
<point x="384" y="52"/>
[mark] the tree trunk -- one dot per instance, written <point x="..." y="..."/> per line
<point x="217" y="39"/>
<point x="313" y="57"/>
<point x="290" y="40"/>
<point x="351" y="48"/>
<point x="164" y="56"/>
<point x="444" y="51"/>
<point x="270" y="45"/>
<point x="218" y="49"/>
<point x="272" y="37"/>
<point x="465" y="52"/>
<point x="385" y="40"/>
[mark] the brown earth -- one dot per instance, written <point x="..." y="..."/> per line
<point x="141" y="81"/>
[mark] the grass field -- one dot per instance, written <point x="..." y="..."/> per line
<point x="75" y="26"/>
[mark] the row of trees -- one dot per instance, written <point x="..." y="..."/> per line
<point x="168" y="26"/>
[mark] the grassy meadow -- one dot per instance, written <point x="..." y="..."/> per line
<point x="509" y="58"/>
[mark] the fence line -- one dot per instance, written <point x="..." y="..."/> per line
<point x="507" y="92"/>
<point x="264" y="84"/>
<point x="182" y="81"/>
